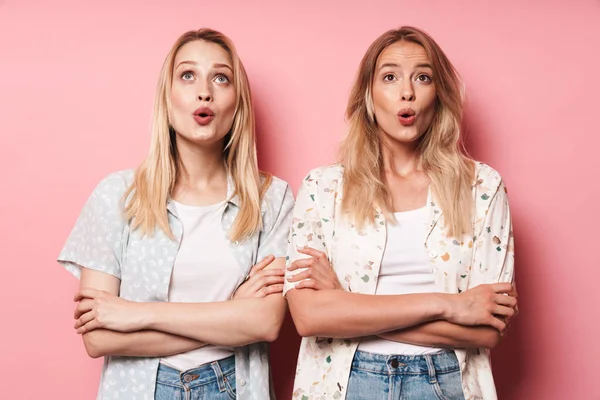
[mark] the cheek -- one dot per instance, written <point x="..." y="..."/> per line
<point x="430" y="98"/>
<point x="177" y="99"/>
<point x="230" y="101"/>
<point x="429" y="104"/>
<point x="384" y="101"/>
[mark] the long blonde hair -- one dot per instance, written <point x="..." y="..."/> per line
<point x="441" y="149"/>
<point x="146" y="199"/>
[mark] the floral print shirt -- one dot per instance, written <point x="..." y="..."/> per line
<point x="484" y="255"/>
<point x="102" y="240"/>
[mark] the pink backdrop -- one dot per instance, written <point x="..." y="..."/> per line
<point x="76" y="87"/>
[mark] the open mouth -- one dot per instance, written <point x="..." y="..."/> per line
<point x="407" y="117"/>
<point x="204" y="115"/>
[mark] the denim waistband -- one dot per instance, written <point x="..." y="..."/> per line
<point x="202" y="375"/>
<point x="442" y="362"/>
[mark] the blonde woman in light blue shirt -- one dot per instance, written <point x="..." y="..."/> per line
<point x="177" y="305"/>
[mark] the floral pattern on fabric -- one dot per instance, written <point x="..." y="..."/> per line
<point x="485" y="255"/>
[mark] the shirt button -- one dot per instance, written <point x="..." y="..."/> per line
<point x="432" y="254"/>
<point x="242" y="382"/>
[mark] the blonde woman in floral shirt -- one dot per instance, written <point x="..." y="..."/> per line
<point x="400" y="262"/>
<point x="168" y="292"/>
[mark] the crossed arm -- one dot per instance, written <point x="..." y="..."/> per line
<point x="111" y="325"/>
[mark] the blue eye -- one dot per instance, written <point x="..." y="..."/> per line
<point x="221" y="78"/>
<point x="187" y="76"/>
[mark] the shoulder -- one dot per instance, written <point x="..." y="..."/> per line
<point x="487" y="176"/>
<point x="278" y="195"/>
<point x="277" y="191"/>
<point x="488" y="186"/>
<point x="328" y="176"/>
<point x="105" y="204"/>
<point x="115" y="184"/>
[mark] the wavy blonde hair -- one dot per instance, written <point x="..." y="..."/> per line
<point x="441" y="149"/>
<point x="146" y="199"/>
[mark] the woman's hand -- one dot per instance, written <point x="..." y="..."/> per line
<point x="261" y="282"/>
<point x="99" y="309"/>
<point x="483" y="305"/>
<point x="319" y="274"/>
<point x="508" y="318"/>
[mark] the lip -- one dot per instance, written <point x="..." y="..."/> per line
<point x="204" y="116"/>
<point x="407" y="116"/>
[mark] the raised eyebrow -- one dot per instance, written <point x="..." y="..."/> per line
<point x="424" y="65"/>
<point x="195" y="64"/>
<point x="223" y="66"/>
<point x="186" y="62"/>
<point x="390" y="65"/>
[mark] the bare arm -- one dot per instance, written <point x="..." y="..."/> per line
<point x="493" y="249"/>
<point x="444" y="334"/>
<point x="236" y="322"/>
<point x="104" y="342"/>
<point x="340" y="314"/>
<point x="337" y="313"/>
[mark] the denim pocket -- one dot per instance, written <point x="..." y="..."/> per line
<point x="230" y="384"/>
<point x="448" y="386"/>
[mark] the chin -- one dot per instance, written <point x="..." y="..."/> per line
<point x="205" y="136"/>
<point x="404" y="136"/>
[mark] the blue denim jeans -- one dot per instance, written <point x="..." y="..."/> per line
<point x="397" y="377"/>
<point x="211" y="381"/>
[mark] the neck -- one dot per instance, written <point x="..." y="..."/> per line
<point x="200" y="166"/>
<point x="400" y="158"/>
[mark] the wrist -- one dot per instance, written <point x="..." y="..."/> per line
<point x="443" y="306"/>
<point x="145" y="317"/>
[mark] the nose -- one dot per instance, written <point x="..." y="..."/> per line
<point x="204" y="91"/>
<point x="406" y="90"/>
<point x="204" y="96"/>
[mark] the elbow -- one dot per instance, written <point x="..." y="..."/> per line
<point x="310" y="315"/>
<point x="95" y="345"/>
<point x="305" y="324"/>
<point x="270" y="332"/>
<point x="491" y="339"/>
<point x="271" y="326"/>
<point x="270" y="335"/>
<point x="305" y="328"/>
<point x="92" y="345"/>
<point x="305" y="331"/>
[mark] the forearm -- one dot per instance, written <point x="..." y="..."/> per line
<point x="103" y="342"/>
<point x="229" y="323"/>
<point x="340" y="314"/>
<point x="445" y="334"/>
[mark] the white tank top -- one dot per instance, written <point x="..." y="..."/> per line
<point x="405" y="268"/>
<point x="204" y="271"/>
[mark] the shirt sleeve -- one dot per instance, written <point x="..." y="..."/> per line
<point x="96" y="239"/>
<point x="273" y="238"/>
<point x="306" y="229"/>
<point x="494" y="256"/>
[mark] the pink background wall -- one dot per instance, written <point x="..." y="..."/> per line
<point x="76" y="87"/>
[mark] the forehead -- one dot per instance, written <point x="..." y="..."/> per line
<point x="403" y="53"/>
<point x="202" y="53"/>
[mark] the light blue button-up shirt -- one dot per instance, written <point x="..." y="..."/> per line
<point x="102" y="240"/>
